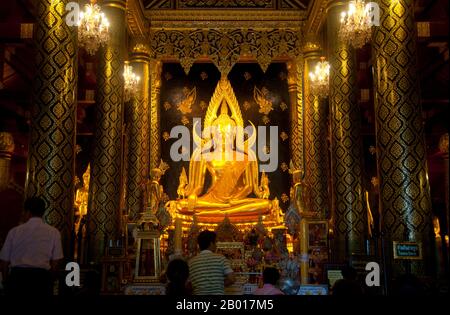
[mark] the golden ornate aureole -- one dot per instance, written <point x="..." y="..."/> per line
<point x="105" y="190"/>
<point x="316" y="149"/>
<point x="348" y="194"/>
<point x="404" y="186"/>
<point x="138" y="133"/>
<point x="232" y="165"/>
<point x="51" y="158"/>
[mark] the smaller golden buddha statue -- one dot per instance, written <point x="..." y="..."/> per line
<point x="264" y="187"/>
<point x="181" y="191"/>
<point x="82" y="194"/>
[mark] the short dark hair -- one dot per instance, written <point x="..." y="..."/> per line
<point x="271" y="275"/>
<point x="205" y="239"/>
<point x="35" y="205"/>
<point x="178" y="271"/>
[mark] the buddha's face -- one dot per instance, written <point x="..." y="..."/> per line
<point x="223" y="132"/>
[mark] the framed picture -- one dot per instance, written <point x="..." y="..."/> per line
<point x="317" y="234"/>
<point x="148" y="260"/>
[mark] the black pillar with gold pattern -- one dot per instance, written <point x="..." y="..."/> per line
<point x="51" y="158"/>
<point x="316" y="150"/>
<point x="105" y="188"/>
<point x="138" y="133"/>
<point x="349" y="214"/>
<point x="404" y="187"/>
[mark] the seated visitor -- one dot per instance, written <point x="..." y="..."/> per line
<point x="270" y="279"/>
<point x="177" y="275"/>
<point x="209" y="272"/>
<point x="349" y="285"/>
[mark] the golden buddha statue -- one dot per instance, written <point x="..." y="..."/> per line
<point x="82" y="194"/>
<point x="232" y="165"/>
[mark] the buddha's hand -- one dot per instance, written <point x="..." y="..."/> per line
<point x="192" y="201"/>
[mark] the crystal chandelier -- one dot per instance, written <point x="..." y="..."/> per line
<point x="319" y="79"/>
<point x="131" y="81"/>
<point x="93" y="28"/>
<point x="356" y="24"/>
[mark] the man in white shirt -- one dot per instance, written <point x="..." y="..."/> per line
<point x="31" y="252"/>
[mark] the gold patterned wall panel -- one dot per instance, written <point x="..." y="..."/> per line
<point x="225" y="46"/>
<point x="52" y="141"/>
<point x="138" y="136"/>
<point x="155" y="123"/>
<point x="316" y="149"/>
<point x="346" y="145"/>
<point x="105" y="189"/>
<point x="404" y="186"/>
<point x="295" y="86"/>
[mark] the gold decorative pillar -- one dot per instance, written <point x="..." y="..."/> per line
<point x="138" y="133"/>
<point x="6" y="152"/>
<point x="316" y="151"/>
<point x="295" y="81"/>
<point x="155" y="129"/>
<point x="178" y="237"/>
<point x="404" y="187"/>
<point x="51" y="157"/>
<point x="105" y="190"/>
<point x="304" y="261"/>
<point x="348" y="193"/>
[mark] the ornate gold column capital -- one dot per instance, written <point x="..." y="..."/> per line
<point x="140" y="53"/>
<point x="6" y="145"/>
<point x="311" y="48"/>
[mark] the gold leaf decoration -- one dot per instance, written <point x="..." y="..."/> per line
<point x="204" y="75"/>
<point x="184" y="120"/>
<point x="284" y="136"/>
<point x="265" y="120"/>
<point x="262" y="99"/>
<point x="247" y="105"/>
<point x="167" y="106"/>
<point x="284" y="167"/>
<point x="185" y="106"/>
<point x="166" y="136"/>
<point x="283" y="106"/>
<point x="203" y="105"/>
<point x="284" y="198"/>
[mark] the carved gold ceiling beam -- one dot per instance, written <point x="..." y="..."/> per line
<point x="316" y="17"/>
<point x="136" y="21"/>
<point x="176" y="19"/>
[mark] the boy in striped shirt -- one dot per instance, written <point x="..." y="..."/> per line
<point x="209" y="272"/>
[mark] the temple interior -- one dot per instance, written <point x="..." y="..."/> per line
<point x="309" y="135"/>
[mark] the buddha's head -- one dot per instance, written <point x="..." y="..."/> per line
<point x="223" y="128"/>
